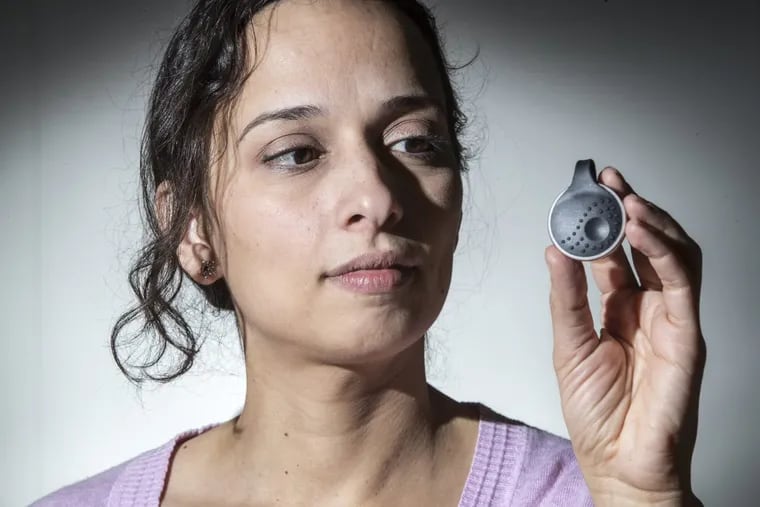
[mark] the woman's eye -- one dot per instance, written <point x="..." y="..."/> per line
<point x="423" y="146"/>
<point x="415" y="145"/>
<point x="294" y="155"/>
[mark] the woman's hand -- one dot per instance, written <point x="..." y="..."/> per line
<point x="630" y="396"/>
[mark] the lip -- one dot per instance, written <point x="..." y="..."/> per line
<point x="375" y="281"/>
<point x="375" y="261"/>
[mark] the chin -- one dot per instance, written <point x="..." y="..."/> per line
<point x="367" y="348"/>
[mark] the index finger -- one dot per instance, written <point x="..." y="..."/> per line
<point x="572" y="323"/>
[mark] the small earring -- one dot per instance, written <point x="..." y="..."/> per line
<point x="208" y="268"/>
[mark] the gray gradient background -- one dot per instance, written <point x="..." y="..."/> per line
<point x="665" y="91"/>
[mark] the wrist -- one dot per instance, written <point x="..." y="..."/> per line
<point x="617" y="494"/>
<point x="625" y="500"/>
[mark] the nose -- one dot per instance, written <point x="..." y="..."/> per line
<point x="371" y="196"/>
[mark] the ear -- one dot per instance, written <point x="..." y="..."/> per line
<point x="193" y="248"/>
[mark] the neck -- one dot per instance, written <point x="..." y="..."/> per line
<point x="363" y="432"/>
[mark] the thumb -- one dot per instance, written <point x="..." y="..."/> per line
<point x="572" y="323"/>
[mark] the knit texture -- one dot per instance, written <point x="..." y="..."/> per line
<point x="514" y="464"/>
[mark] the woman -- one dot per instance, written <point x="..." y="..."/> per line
<point x="304" y="164"/>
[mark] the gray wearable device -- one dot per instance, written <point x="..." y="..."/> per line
<point x="587" y="220"/>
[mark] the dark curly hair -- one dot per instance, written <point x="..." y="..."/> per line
<point x="200" y="76"/>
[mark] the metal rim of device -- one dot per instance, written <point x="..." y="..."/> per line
<point x="604" y="253"/>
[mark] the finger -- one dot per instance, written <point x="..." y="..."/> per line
<point x="648" y="278"/>
<point x="572" y="323"/>
<point x="679" y="294"/>
<point x="646" y="211"/>
<point x="614" y="272"/>
<point x="614" y="179"/>
<point x="639" y="208"/>
<point x="685" y="247"/>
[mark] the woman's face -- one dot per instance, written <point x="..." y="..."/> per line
<point x="299" y="196"/>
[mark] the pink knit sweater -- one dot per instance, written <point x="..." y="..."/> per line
<point x="514" y="464"/>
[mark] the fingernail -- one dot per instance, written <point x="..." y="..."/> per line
<point x="617" y="172"/>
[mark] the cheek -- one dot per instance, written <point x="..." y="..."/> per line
<point x="444" y="193"/>
<point x="269" y="243"/>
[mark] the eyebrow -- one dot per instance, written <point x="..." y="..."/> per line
<point x="395" y="105"/>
